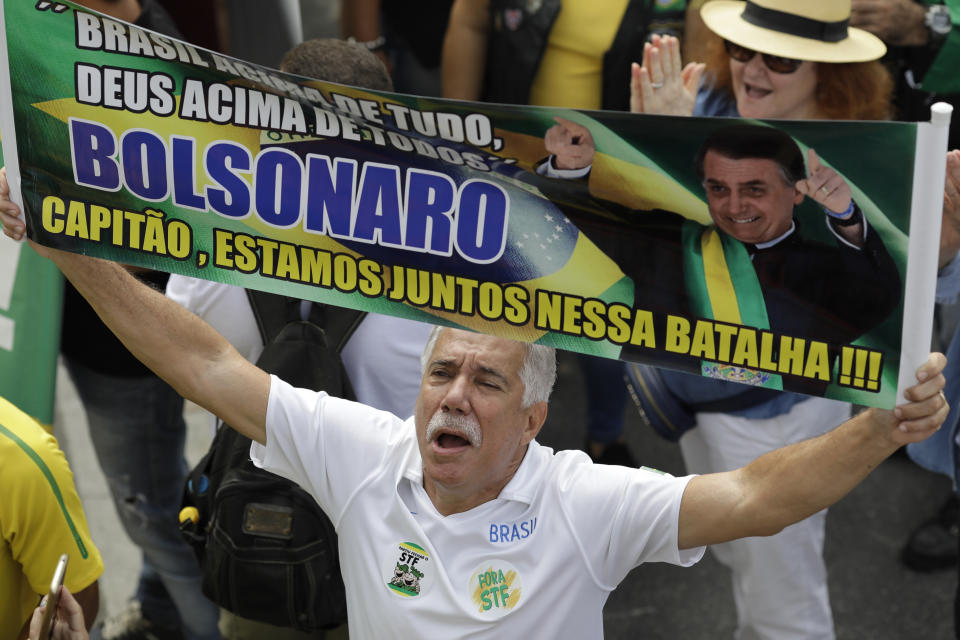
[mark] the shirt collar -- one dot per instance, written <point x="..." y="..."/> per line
<point x="522" y="486"/>
<point x="778" y="239"/>
<point x="525" y="482"/>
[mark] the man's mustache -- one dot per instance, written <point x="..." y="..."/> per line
<point x="467" y="427"/>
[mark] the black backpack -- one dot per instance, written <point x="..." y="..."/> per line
<point x="266" y="549"/>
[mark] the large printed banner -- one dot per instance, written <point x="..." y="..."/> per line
<point x="138" y="148"/>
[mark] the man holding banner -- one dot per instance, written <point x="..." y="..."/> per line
<point x="421" y="209"/>
<point x="470" y="450"/>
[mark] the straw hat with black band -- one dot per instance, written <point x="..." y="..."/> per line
<point x="815" y="30"/>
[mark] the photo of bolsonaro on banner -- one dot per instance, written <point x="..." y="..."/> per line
<point x="696" y="244"/>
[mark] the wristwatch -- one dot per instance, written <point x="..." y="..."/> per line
<point x="848" y="220"/>
<point x="937" y="21"/>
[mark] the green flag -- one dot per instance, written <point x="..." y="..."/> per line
<point x="30" y="301"/>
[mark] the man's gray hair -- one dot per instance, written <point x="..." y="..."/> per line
<point x="538" y="371"/>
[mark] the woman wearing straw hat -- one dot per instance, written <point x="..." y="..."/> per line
<point x="775" y="59"/>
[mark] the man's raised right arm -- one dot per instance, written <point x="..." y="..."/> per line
<point x="178" y="346"/>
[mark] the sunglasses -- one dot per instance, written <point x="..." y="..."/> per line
<point x="774" y="63"/>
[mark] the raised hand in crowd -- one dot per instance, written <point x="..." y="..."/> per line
<point x="570" y="144"/>
<point x="13" y="224"/>
<point x="69" y="623"/>
<point x="950" y="226"/>
<point x="663" y="86"/>
<point x="896" y="22"/>
<point x="829" y="189"/>
<point x="925" y="409"/>
<point x="824" y="185"/>
<point x="11" y="218"/>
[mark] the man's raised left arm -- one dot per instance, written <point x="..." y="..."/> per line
<point x="792" y="483"/>
<point x="186" y="352"/>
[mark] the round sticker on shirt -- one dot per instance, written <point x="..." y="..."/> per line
<point x="411" y="574"/>
<point x="495" y="588"/>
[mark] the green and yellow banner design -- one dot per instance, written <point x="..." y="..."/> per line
<point x="142" y="149"/>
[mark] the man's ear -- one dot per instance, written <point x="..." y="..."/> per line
<point x="536" y="416"/>
<point x="797" y="196"/>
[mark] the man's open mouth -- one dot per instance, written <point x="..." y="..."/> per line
<point x="744" y="220"/>
<point x="451" y="441"/>
<point x="453" y="432"/>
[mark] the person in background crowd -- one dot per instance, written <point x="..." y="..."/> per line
<point x="69" y="623"/>
<point x="923" y="53"/>
<point x="40" y="518"/>
<point x="568" y="53"/>
<point x="407" y="41"/>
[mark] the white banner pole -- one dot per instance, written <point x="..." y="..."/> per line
<point x="926" y="210"/>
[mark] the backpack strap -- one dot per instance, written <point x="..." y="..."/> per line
<point x="338" y="323"/>
<point x="273" y="312"/>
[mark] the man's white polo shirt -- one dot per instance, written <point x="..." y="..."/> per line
<point x="537" y="562"/>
